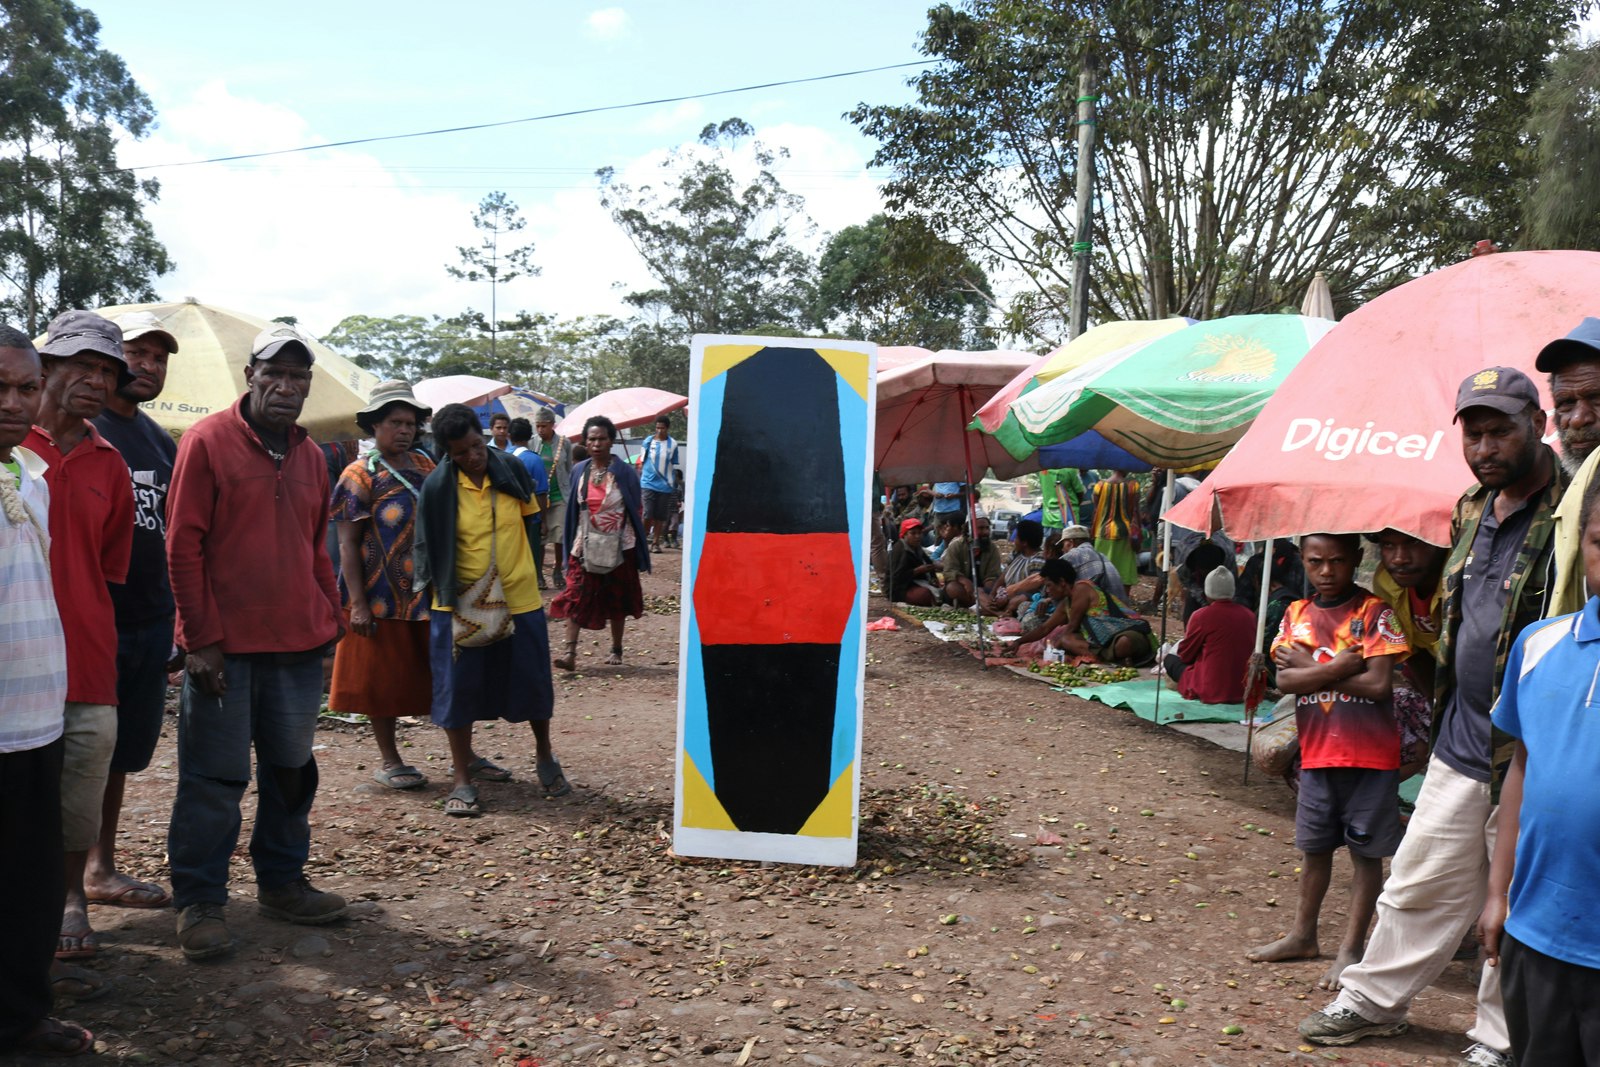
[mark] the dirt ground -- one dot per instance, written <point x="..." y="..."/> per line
<point x="564" y="931"/>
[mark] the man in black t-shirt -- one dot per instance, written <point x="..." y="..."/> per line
<point x="143" y="606"/>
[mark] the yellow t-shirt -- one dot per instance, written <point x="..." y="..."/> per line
<point x="519" y="577"/>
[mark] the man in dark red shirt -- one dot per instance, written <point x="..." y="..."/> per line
<point x="1210" y="662"/>
<point x="257" y="607"/>
<point x="91" y="535"/>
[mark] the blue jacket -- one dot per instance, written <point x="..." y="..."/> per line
<point x="632" y="502"/>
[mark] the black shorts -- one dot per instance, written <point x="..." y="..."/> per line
<point x="659" y="505"/>
<point x="142" y="654"/>
<point x="1357" y="807"/>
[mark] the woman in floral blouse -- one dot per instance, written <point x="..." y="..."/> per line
<point x="381" y="669"/>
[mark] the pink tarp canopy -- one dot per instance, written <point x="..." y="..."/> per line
<point x="468" y="389"/>
<point x="924" y="405"/>
<point x="625" y="407"/>
<point x="1360" y="437"/>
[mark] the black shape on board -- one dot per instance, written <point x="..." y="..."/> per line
<point x="769" y="713"/>
<point x="780" y="466"/>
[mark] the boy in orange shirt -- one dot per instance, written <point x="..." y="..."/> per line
<point x="1338" y="652"/>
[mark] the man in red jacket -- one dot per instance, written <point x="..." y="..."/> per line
<point x="256" y="608"/>
<point x="91" y="528"/>
<point x="1210" y="662"/>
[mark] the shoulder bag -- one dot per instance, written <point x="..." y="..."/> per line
<point x="482" y="615"/>
<point x="602" y="549"/>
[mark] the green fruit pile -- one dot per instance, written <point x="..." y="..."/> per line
<point x="1069" y="675"/>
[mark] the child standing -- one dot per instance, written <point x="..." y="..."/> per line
<point x="1337" y="652"/>
<point x="1540" y="925"/>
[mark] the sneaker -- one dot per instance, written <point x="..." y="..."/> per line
<point x="1338" y="1025"/>
<point x="202" y="933"/>
<point x="1481" y="1055"/>
<point x="298" y="902"/>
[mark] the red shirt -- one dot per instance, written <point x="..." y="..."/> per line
<point x="1337" y="729"/>
<point x="91" y="537"/>
<point x="246" y="541"/>
<point x="1216" y="649"/>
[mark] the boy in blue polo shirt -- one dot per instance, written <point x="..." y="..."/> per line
<point x="1541" y="923"/>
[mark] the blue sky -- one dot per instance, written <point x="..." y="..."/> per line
<point x="368" y="229"/>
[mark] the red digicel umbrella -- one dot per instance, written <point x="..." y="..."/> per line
<point x="625" y="407"/>
<point x="1359" y="437"/>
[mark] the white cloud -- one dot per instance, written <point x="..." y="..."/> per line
<point x="607" y="23"/>
<point x="332" y="233"/>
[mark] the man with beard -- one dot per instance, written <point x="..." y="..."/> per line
<point x="143" y="604"/>
<point x="91" y="536"/>
<point x="1494" y="582"/>
<point x="33" y="675"/>
<point x="1573" y="363"/>
<point x="256" y="609"/>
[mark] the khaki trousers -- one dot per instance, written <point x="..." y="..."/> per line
<point x="1437" y="882"/>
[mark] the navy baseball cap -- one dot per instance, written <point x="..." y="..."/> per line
<point x="1582" y="343"/>
<point x="1501" y="388"/>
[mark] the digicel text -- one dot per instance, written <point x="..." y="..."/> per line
<point x="1341" y="442"/>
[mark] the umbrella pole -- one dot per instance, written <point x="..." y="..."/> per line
<point x="972" y="527"/>
<point x="1166" y="561"/>
<point x="1261" y="635"/>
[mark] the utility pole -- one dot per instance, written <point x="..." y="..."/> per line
<point x="1083" y="233"/>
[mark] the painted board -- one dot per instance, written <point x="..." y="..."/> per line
<point x="774" y="602"/>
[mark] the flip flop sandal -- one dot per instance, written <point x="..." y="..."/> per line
<point x="156" y="897"/>
<point x="484" y="771"/>
<point x="465" y="801"/>
<point x="58" y="1041"/>
<point x="70" y="982"/>
<point x="88" y="946"/>
<point x="554" y="779"/>
<point x="388" y="775"/>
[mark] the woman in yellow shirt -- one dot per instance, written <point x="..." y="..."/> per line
<point x="479" y="504"/>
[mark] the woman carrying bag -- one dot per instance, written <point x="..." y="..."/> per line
<point x="476" y="523"/>
<point x="606" y="546"/>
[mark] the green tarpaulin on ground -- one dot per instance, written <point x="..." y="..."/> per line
<point x="1139" y="697"/>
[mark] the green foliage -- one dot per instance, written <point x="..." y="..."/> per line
<point x="72" y="228"/>
<point x="1563" y="208"/>
<point x="1243" y="145"/>
<point x="720" y="254"/>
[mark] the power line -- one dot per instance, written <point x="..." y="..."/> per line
<point x="532" y="118"/>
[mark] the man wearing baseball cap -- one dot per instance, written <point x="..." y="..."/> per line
<point x="256" y="608"/>
<point x="1494" y="579"/>
<point x="143" y="603"/>
<point x="1573" y="363"/>
<point x="91" y="528"/>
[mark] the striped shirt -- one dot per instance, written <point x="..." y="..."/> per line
<point x="33" y="650"/>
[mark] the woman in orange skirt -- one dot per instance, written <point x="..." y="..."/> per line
<point x="380" y="669"/>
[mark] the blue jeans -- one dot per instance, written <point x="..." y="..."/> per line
<point x="270" y="701"/>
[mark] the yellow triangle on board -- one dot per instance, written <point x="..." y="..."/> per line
<point x="719" y="359"/>
<point x="851" y="366"/>
<point x="701" y="808"/>
<point x="835" y="815"/>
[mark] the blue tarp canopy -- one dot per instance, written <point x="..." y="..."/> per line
<point x="519" y="404"/>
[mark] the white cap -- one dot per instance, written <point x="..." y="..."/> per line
<point x="1220" y="584"/>
<point x="137" y="324"/>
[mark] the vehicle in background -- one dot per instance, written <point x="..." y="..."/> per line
<point x="1000" y="523"/>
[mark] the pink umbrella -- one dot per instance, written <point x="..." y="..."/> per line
<point x="923" y="409"/>
<point x="468" y="389"/>
<point x="625" y="407"/>
<point x="1359" y="436"/>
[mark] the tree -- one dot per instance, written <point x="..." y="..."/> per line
<point x="896" y="282"/>
<point x="1244" y="144"/>
<point x="72" y="227"/>
<point x="1563" y="208"/>
<point x="720" y="254"/>
<point x="497" y="218"/>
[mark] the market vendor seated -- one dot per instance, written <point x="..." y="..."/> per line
<point x="1210" y="663"/>
<point x="911" y="572"/>
<point x="1087" y="622"/>
<point x="1020" y="580"/>
<point x="959" y="587"/>
<point x="1092" y="564"/>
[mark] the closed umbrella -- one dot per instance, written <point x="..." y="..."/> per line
<point x="207" y="374"/>
<point x="624" y="407"/>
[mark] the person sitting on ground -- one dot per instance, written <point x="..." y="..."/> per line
<point x="1091" y="564"/>
<point x="1210" y="663"/>
<point x="1086" y="622"/>
<point x="1410" y="580"/>
<point x="910" y="567"/>
<point x="1020" y="579"/>
<point x="945" y="529"/>
<point x="1338" y="652"/>
<point x="960" y="588"/>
